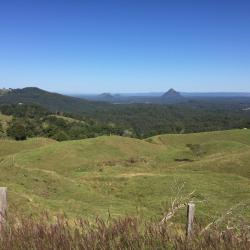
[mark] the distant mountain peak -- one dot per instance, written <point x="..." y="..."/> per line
<point x="172" y="96"/>
<point x="106" y="95"/>
<point x="171" y="93"/>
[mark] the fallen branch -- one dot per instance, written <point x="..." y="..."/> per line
<point x="176" y="206"/>
<point x="172" y="213"/>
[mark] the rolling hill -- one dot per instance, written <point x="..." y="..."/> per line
<point x="118" y="175"/>
<point x="52" y="101"/>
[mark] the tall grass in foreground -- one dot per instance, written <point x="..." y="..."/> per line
<point x="123" y="233"/>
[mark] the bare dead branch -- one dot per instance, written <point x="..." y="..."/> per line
<point x="177" y="204"/>
<point x="221" y="218"/>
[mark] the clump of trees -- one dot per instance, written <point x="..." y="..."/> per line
<point x="17" y="130"/>
<point x="34" y="121"/>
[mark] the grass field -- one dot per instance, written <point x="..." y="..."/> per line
<point x="119" y="176"/>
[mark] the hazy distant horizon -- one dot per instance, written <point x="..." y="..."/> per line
<point x="156" y="93"/>
<point x="131" y="93"/>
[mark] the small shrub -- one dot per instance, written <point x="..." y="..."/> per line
<point x="196" y="149"/>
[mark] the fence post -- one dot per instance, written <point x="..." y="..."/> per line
<point x="3" y="204"/>
<point x="190" y="218"/>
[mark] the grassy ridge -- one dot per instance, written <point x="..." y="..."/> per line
<point x="8" y="147"/>
<point x="237" y="135"/>
<point x="119" y="175"/>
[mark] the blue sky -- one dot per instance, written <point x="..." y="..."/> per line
<point x="87" y="46"/>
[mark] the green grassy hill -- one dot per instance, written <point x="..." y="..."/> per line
<point x="241" y="136"/>
<point x="4" y="121"/>
<point x="11" y="147"/>
<point x="118" y="175"/>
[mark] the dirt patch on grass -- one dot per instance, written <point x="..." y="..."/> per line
<point x="126" y="162"/>
<point x="137" y="174"/>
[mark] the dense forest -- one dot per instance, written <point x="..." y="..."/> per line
<point x="134" y="120"/>
<point x="146" y="120"/>
<point x="34" y="121"/>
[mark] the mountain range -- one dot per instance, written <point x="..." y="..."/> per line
<point x="76" y="104"/>
<point x="169" y="97"/>
<point x="81" y="103"/>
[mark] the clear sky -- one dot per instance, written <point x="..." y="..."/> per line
<point x="88" y="46"/>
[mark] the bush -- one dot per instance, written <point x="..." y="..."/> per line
<point x="60" y="136"/>
<point x="18" y="131"/>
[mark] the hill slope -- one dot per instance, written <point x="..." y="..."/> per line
<point x="123" y="175"/>
<point x="10" y="147"/>
<point x="128" y="176"/>
<point x="52" y="101"/>
<point x="237" y="135"/>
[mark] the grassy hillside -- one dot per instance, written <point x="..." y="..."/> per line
<point x="4" y="121"/>
<point x="241" y="136"/>
<point x="118" y="175"/>
<point x="11" y="147"/>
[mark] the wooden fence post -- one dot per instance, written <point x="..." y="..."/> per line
<point x="190" y="218"/>
<point x="3" y="204"/>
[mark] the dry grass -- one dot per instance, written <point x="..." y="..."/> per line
<point x="122" y="233"/>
